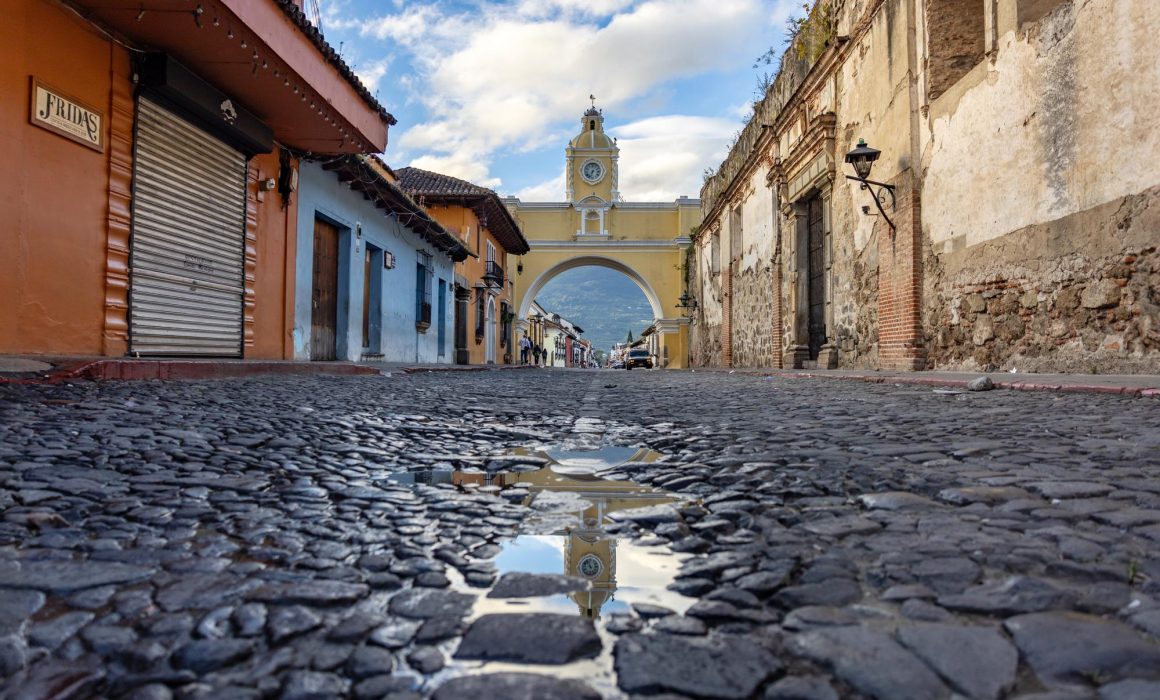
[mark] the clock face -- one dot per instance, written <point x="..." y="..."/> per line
<point x="592" y="171"/>
<point x="589" y="566"/>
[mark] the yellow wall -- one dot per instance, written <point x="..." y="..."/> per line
<point x="463" y="222"/>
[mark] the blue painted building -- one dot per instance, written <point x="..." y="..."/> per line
<point x="374" y="271"/>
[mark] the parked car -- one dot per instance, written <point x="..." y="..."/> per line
<point x="638" y="357"/>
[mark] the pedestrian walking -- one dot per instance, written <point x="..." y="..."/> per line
<point x="525" y="348"/>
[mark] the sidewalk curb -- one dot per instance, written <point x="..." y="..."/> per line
<point x="1019" y="385"/>
<point x="138" y="370"/>
<point x="457" y="368"/>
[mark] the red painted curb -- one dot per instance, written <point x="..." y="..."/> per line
<point x="1020" y="385"/>
<point x="135" y="370"/>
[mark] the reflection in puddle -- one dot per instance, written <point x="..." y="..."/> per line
<point x="567" y="532"/>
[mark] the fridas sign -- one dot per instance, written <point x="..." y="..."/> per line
<point x="71" y="119"/>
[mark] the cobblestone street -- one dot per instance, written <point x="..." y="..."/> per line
<point x="369" y="537"/>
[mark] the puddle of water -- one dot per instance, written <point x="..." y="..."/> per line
<point x="621" y="573"/>
<point x="566" y="534"/>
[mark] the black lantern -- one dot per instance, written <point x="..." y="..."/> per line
<point x="686" y="301"/>
<point x="862" y="158"/>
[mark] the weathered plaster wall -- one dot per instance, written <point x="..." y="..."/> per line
<point x="705" y="332"/>
<point x="1081" y="131"/>
<point x="752" y="315"/>
<point x="1026" y="177"/>
<point x="1043" y="242"/>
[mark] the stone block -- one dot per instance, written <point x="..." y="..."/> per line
<point x="983" y="330"/>
<point x="1101" y="294"/>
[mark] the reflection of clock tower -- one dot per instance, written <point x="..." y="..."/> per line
<point x="592" y="172"/>
<point x="591" y="553"/>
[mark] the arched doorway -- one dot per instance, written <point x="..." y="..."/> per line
<point x="489" y="331"/>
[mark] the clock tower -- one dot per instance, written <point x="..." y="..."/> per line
<point x="592" y="173"/>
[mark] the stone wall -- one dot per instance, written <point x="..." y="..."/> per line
<point x="753" y="317"/>
<point x="1078" y="295"/>
<point x="705" y="331"/>
<point x="857" y="322"/>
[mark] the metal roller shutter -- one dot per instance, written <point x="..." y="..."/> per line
<point x="188" y="246"/>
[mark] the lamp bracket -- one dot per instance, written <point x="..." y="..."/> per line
<point x="880" y="193"/>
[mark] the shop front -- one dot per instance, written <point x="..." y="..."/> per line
<point x="153" y="153"/>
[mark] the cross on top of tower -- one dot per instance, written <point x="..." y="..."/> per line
<point x="592" y="111"/>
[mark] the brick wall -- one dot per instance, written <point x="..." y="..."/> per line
<point x="956" y="34"/>
<point x="900" y="336"/>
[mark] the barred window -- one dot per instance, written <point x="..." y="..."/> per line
<point x="424" y="273"/>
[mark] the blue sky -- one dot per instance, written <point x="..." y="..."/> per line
<point x="492" y="91"/>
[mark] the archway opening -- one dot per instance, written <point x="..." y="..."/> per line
<point x="608" y="304"/>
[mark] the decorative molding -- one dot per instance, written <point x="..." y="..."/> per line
<point x="603" y="242"/>
<point x="115" y="340"/>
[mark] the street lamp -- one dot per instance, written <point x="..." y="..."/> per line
<point x="862" y="158"/>
<point x="687" y="301"/>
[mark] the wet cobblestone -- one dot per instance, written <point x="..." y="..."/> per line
<point x="251" y="538"/>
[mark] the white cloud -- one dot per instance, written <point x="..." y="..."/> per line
<point x="495" y="78"/>
<point x="548" y="191"/>
<point x="581" y="8"/>
<point x="371" y="73"/>
<point x="458" y="165"/>
<point x="662" y="158"/>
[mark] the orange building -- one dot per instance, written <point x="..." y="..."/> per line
<point x="149" y="204"/>
<point x="483" y="286"/>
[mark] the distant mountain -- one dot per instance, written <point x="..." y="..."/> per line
<point x="604" y="302"/>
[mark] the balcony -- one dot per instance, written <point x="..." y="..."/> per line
<point x="493" y="274"/>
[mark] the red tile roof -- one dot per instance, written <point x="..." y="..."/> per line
<point x="296" y="15"/>
<point x="436" y="188"/>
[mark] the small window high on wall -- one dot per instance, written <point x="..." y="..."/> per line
<point x="955" y="39"/>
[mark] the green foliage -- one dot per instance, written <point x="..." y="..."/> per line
<point x="808" y="35"/>
<point x="815" y="31"/>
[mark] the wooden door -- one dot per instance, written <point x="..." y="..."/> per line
<point x="324" y="304"/>
<point x="817" y="277"/>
